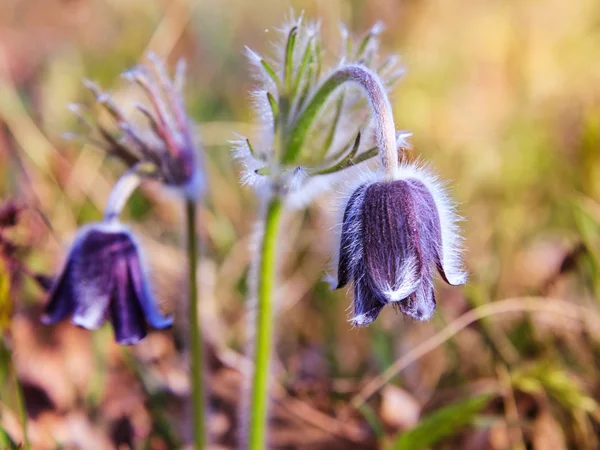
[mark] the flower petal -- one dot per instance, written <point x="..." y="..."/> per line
<point x="391" y="237"/>
<point x="421" y="304"/>
<point x="125" y="310"/>
<point x="367" y="303"/>
<point x="350" y="239"/>
<point x="449" y="245"/>
<point x="145" y="298"/>
<point x="94" y="274"/>
<point x="62" y="300"/>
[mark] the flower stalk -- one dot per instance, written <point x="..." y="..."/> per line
<point x="292" y="144"/>
<point x="296" y="102"/>
<point x="195" y="331"/>
<point x="104" y="275"/>
<point x="122" y="190"/>
<point x="380" y="107"/>
<point x="263" y="339"/>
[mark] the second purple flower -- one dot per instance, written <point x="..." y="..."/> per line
<point x="104" y="278"/>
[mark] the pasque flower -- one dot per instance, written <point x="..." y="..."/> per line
<point x="398" y="223"/>
<point x="104" y="278"/>
<point x="395" y="233"/>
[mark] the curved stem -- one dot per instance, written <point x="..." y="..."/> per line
<point x="263" y="332"/>
<point x="124" y="187"/>
<point x="385" y="129"/>
<point x="195" y="332"/>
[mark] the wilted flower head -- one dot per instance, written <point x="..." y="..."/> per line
<point x="395" y="233"/>
<point x="164" y="150"/>
<point x="104" y="278"/>
<point x="310" y="128"/>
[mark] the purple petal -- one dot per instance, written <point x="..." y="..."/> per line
<point x="391" y="237"/>
<point x="348" y="247"/>
<point x="145" y="298"/>
<point x="61" y="300"/>
<point x="125" y="310"/>
<point x="421" y="304"/>
<point x="367" y="302"/>
<point x="431" y="233"/>
<point x="457" y="280"/>
<point x="94" y="273"/>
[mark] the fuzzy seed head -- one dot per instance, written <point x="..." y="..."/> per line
<point x="167" y="145"/>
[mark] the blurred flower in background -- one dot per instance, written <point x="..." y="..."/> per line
<point x="166" y="150"/>
<point x="104" y="276"/>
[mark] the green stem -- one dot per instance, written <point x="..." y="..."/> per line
<point x="195" y="337"/>
<point x="263" y="333"/>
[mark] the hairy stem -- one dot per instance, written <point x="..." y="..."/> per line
<point x="124" y="187"/>
<point x="263" y="332"/>
<point x="385" y="130"/>
<point x="195" y="332"/>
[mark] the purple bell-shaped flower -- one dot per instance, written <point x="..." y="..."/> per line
<point x="395" y="233"/>
<point x="104" y="278"/>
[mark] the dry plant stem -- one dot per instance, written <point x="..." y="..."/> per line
<point x="565" y="310"/>
<point x="195" y="332"/>
<point x="515" y="431"/>
<point x="263" y="331"/>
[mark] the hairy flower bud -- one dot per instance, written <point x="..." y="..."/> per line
<point x="302" y="93"/>
<point x="104" y="278"/>
<point x="394" y="234"/>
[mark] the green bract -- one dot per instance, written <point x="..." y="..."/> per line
<point x="310" y="124"/>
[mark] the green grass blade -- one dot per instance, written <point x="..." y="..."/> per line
<point x="442" y="423"/>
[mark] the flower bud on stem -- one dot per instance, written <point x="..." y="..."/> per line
<point x="292" y="139"/>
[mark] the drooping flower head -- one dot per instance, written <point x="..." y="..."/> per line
<point x="310" y="129"/>
<point x="104" y="278"/>
<point x="395" y="234"/>
<point x="166" y="149"/>
<point x="104" y="275"/>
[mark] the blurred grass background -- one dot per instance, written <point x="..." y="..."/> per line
<point x="503" y="99"/>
